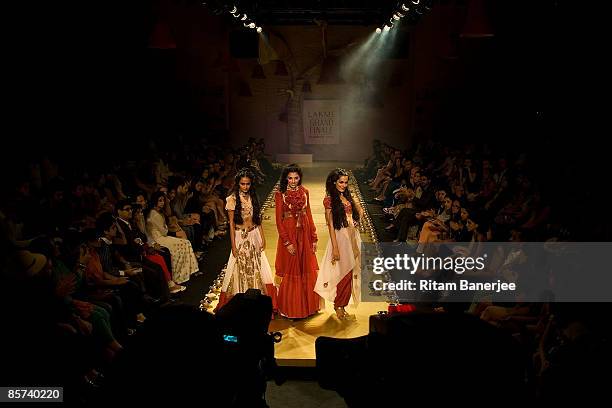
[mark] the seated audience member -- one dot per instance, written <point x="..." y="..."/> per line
<point x="437" y="224"/>
<point x="121" y="293"/>
<point x="455" y="223"/>
<point x="68" y="284"/>
<point x="195" y="205"/>
<point x="189" y="222"/>
<point x="184" y="262"/>
<point x="211" y="199"/>
<point x="50" y="343"/>
<point x="138" y="217"/>
<point x="132" y="246"/>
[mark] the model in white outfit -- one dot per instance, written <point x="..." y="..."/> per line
<point x="339" y="279"/>
<point x="247" y="266"/>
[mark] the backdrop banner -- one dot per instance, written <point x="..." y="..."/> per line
<point x="321" y="121"/>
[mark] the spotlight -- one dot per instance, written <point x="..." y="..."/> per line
<point x="400" y="14"/>
<point x="244" y="17"/>
<point x="387" y="27"/>
<point x="236" y="15"/>
<point x="415" y="2"/>
<point x="259" y="29"/>
<point x="252" y="25"/>
<point x="405" y="7"/>
<point x="396" y="16"/>
<point x="391" y="22"/>
<point x="235" y="9"/>
<point x="378" y="30"/>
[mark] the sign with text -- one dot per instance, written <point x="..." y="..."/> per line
<point x="502" y="272"/>
<point x="321" y="121"/>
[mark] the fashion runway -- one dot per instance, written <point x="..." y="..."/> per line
<point x="299" y="335"/>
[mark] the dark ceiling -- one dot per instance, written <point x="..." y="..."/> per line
<point x="304" y="12"/>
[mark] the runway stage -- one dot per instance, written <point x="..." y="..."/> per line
<point x="297" y="346"/>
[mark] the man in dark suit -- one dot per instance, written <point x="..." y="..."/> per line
<point x="130" y="243"/>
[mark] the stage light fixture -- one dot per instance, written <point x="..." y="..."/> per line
<point x="248" y="23"/>
<point x="415" y="2"/>
<point x="396" y="16"/>
<point x="405" y="7"/>
<point x="387" y="28"/>
<point x="378" y="30"/>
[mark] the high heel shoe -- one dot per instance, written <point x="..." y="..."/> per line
<point x="174" y="288"/>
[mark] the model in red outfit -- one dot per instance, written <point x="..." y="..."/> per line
<point x="339" y="279"/>
<point x="296" y="261"/>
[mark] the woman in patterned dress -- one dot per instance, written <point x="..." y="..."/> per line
<point x="248" y="266"/>
<point x="340" y="274"/>
<point x="296" y="261"/>
<point x="184" y="262"/>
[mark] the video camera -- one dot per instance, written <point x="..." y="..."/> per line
<point x="182" y="354"/>
<point x="243" y="323"/>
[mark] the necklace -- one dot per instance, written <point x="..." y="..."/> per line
<point x="293" y="188"/>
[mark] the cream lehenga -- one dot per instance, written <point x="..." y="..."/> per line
<point x="250" y="269"/>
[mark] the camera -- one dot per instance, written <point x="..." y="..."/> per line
<point x="248" y="346"/>
<point x="224" y="359"/>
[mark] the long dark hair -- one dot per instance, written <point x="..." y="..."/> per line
<point x="153" y="203"/>
<point x="291" y="168"/>
<point x="245" y="172"/>
<point x="338" y="214"/>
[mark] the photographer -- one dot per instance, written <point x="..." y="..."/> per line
<point x="230" y="357"/>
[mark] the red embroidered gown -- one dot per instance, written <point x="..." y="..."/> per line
<point x="296" y="296"/>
